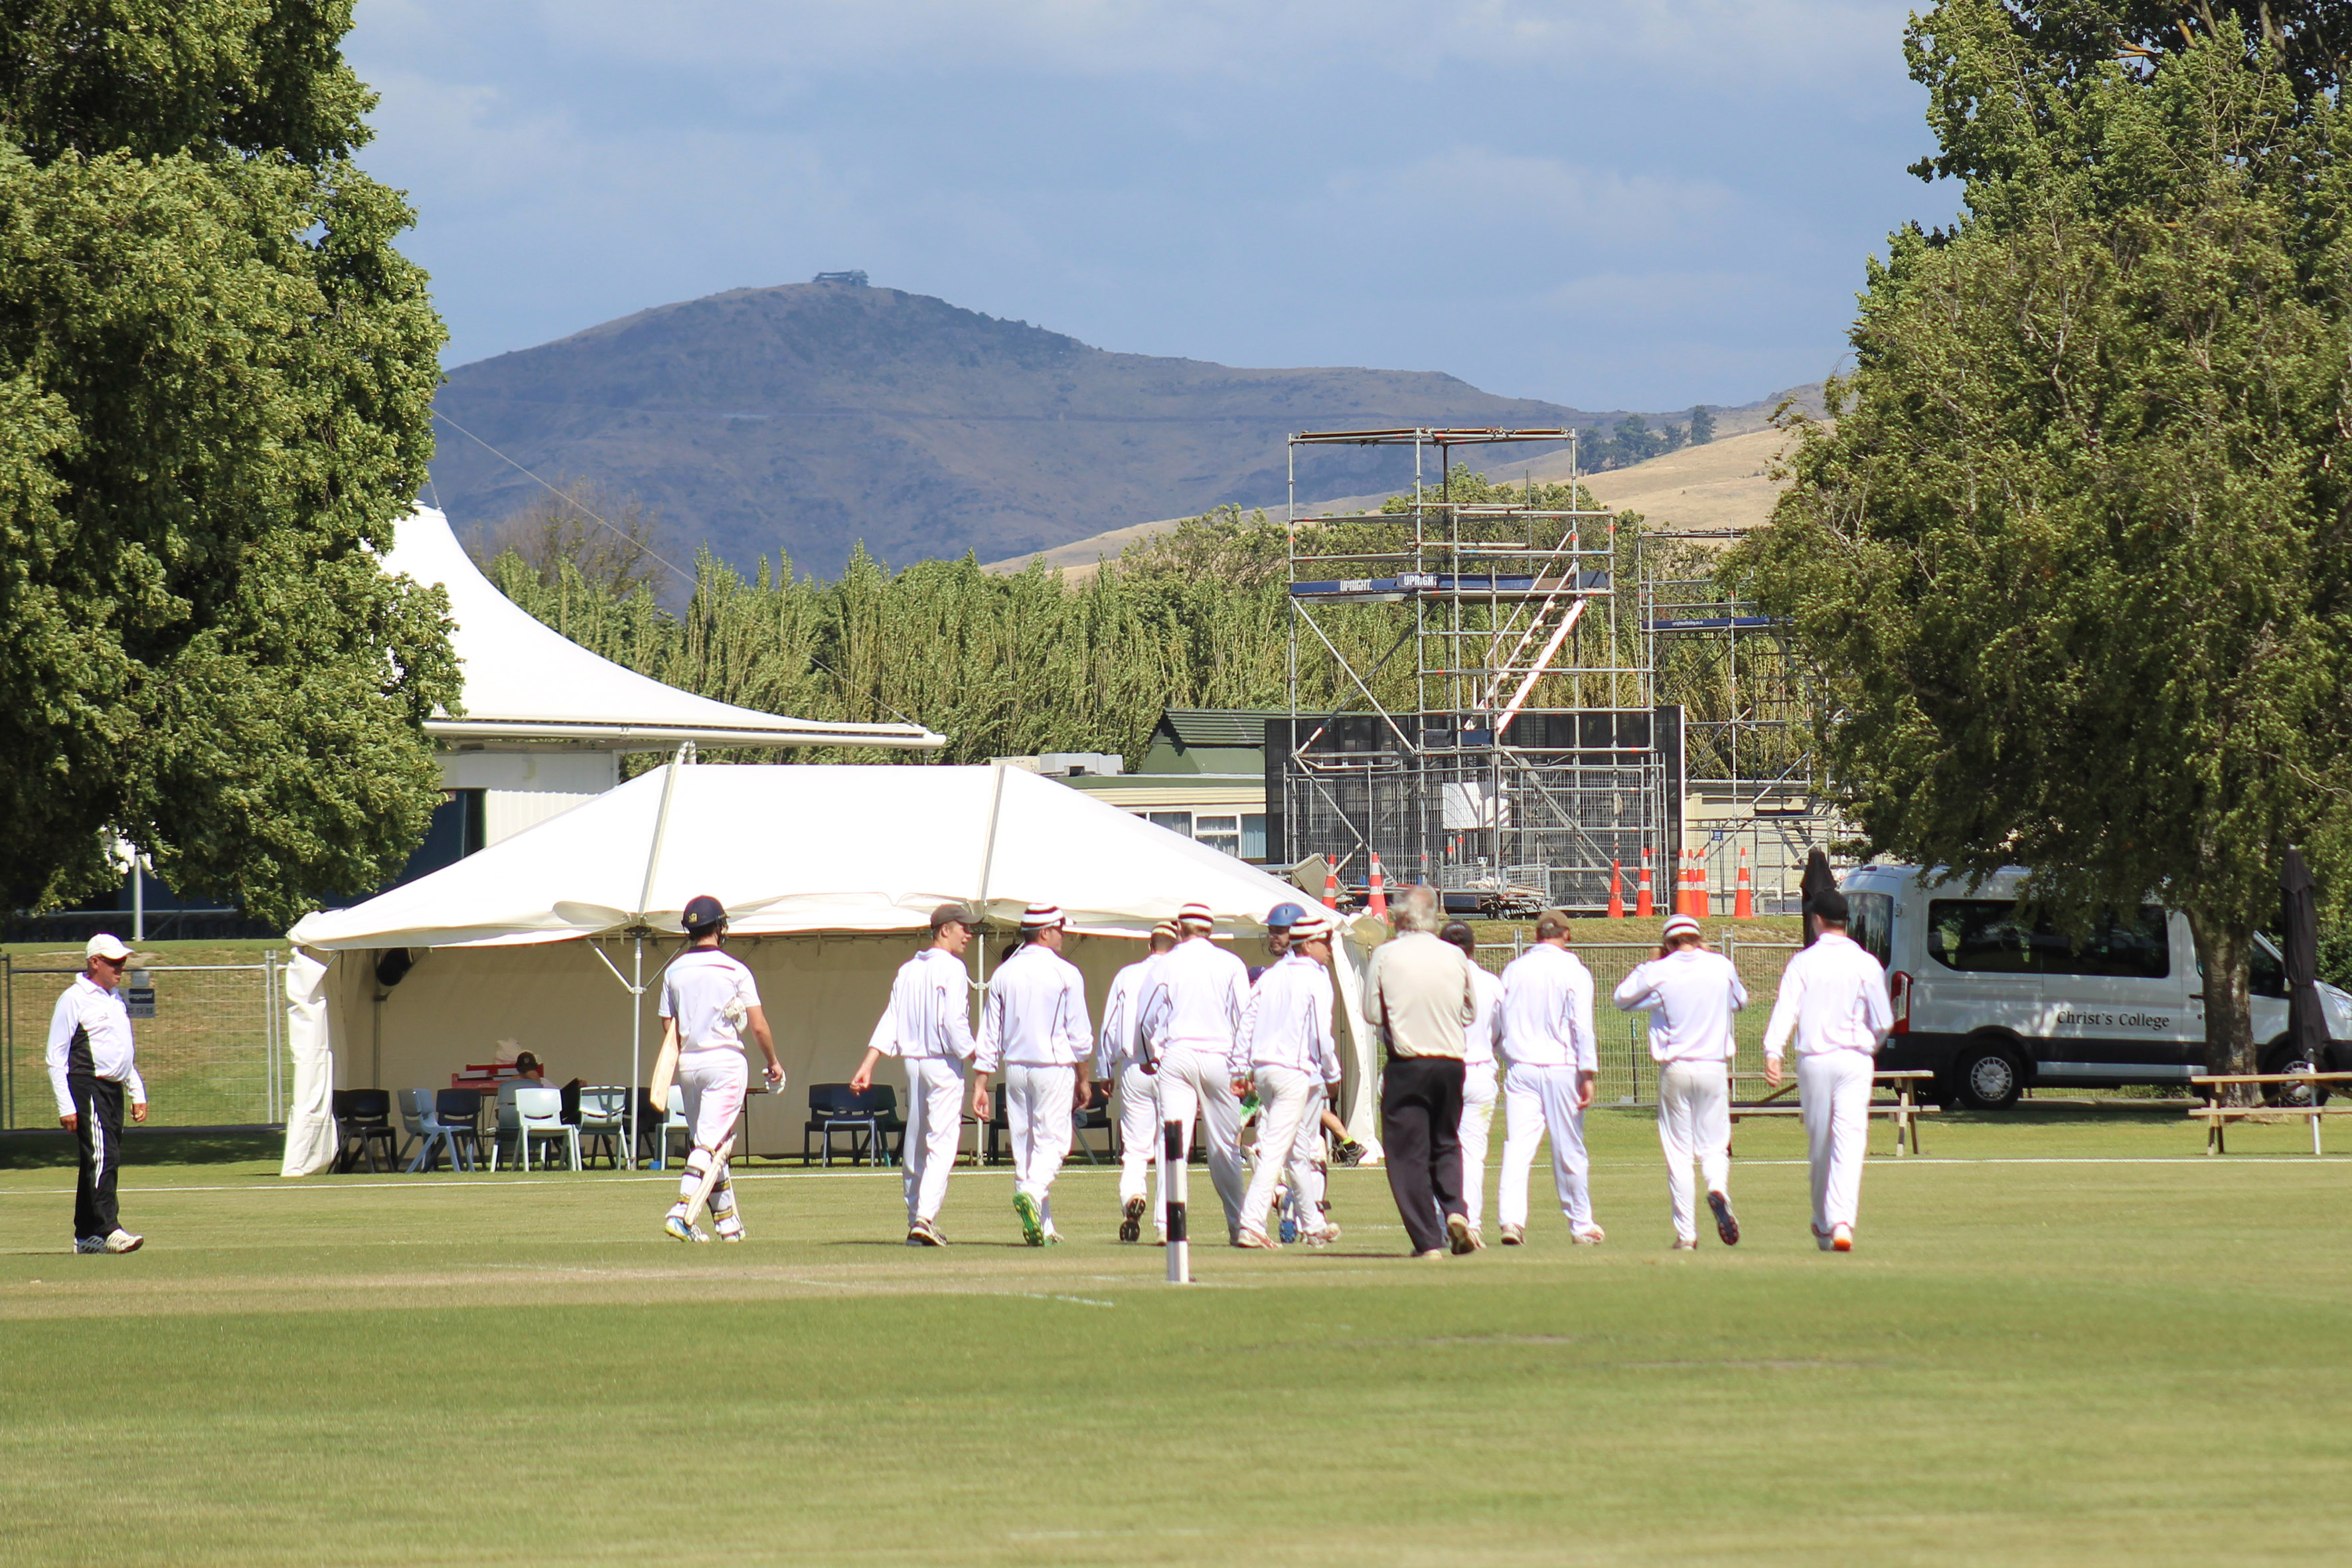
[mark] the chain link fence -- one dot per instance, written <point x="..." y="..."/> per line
<point x="212" y="1054"/>
<point x="1628" y="1076"/>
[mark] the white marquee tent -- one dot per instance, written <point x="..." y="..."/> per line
<point x="829" y="875"/>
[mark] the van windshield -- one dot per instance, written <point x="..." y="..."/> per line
<point x="1987" y="936"/>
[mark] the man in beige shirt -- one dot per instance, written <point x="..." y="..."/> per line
<point x="1419" y="995"/>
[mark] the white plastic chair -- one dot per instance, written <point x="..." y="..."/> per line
<point x="538" y="1113"/>
<point x="677" y="1123"/>
<point x="604" y="1115"/>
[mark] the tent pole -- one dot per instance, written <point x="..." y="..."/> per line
<point x="636" y="1049"/>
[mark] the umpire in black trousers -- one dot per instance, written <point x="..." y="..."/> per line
<point x="1419" y="995"/>
<point x="92" y="1069"/>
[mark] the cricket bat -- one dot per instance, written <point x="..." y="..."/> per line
<point x="664" y="1071"/>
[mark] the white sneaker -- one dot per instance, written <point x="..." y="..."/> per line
<point x="1513" y="1236"/>
<point x="1592" y="1236"/>
<point x="122" y="1241"/>
<point x="1257" y="1240"/>
<point x="1841" y="1239"/>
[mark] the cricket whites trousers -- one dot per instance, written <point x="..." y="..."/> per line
<point x="98" y="1129"/>
<point x="713" y="1083"/>
<point x="1693" y="1123"/>
<point x="1834" y="1088"/>
<point x="1537" y="1100"/>
<point x="1037" y="1113"/>
<point x="1139" y="1136"/>
<point x="934" y="1126"/>
<point x="1479" y="1091"/>
<point x="1194" y="1082"/>
<point x="1289" y="1136"/>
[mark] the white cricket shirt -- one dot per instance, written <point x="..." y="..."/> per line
<point x="710" y="995"/>
<point x="1690" y="994"/>
<point x="1479" y="1036"/>
<point x="1034" y="1014"/>
<point x="928" y="1015"/>
<point x="90" y="1032"/>
<point x="1547" y="1011"/>
<point x="1195" y="999"/>
<point x="1287" y="1023"/>
<point x="1120" y="1044"/>
<point x="1833" y="999"/>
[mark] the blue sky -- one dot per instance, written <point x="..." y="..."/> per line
<point x="1636" y="203"/>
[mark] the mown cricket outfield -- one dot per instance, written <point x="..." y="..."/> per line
<point x="2063" y="1338"/>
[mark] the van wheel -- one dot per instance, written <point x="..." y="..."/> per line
<point x="1986" y="1077"/>
<point x="2284" y="1058"/>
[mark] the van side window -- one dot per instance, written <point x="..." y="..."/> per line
<point x="1985" y="936"/>
<point x="2269" y="971"/>
<point x="1979" y="936"/>
<point x="1872" y="925"/>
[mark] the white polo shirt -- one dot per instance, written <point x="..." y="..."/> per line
<point x="1120" y="1044"/>
<point x="102" y="1023"/>
<point x="1479" y="1037"/>
<point x="1690" y="994"/>
<point x="1035" y="1012"/>
<point x="929" y="1012"/>
<point x="1288" y="1022"/>
<point x="710" y="995"/>
<point x="1833" y="998"/>
<point x="1547" y="1011"/>
<point x="1195" y="999"/>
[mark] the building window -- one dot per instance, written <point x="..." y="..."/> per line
<point x="1219" y="833"/>
<point x="1173" y="821"/>
<point x="1253" y="836"/>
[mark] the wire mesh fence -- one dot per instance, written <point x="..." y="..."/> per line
<point x="212" y="1054"/>
<point x="1628" y="1076"/>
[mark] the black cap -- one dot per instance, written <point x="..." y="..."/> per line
<point x="703" y="912"/>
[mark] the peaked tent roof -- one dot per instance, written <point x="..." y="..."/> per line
<point x="526" y="681"/>
<point x="810" y="850"/>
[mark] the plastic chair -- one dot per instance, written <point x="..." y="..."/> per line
<point x="459" y="1112"/>
<point x="604" y="1119"/>
<point x="438" y="1133"/>
<point x="362" y="1121"/>
<point x="657" y="1125"/>
<point x="869" y="1118"/>
<point x="414" y="1107"/>
<point x="538" y="1113"/>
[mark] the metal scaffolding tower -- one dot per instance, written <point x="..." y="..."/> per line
<point x="1750" y="702"/>
<point x="1471" y="692"/>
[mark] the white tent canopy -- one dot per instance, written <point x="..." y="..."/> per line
<point x="824" y="872"/>
<point x="806" y="849"/>
<point x="526" y="681"/>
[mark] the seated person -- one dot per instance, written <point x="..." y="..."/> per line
<point x="528" y="1074"/>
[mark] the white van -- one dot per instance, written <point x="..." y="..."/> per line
<point x="1993" y="1004"/>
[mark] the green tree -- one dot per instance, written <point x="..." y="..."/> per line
<point x="1702" y="425"/>
<point x="2074" y="557"/>
<point x="215" y="375"/>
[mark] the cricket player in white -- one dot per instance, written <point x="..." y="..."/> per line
<point x="1192" y="1005"/>
<point x="1121" y="1057"/>
<point x="1284" y="1045"/>
<point x="928" y="1026"/>
<point x="1691" y="995"/>
<point x="1034" y="1025"/>
<point x="1554" y="1060"/>
<point x="1479" y="1085"/>
<point x="706" y="1000"/>
<point x="1833" y="999"/>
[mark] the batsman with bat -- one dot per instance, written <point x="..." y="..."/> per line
<point x="706" y="1000"/>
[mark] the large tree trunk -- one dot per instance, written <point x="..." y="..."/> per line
<point x="2225" y="950"/>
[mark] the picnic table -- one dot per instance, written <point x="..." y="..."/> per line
<point x="2216" y="1116"/>
<point x="1904" y="1109"/>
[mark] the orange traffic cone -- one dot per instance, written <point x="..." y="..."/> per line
<point x="1376" y="898"/>
<point x="1682" y="882"/>
<point x="1331" y="888"/>
<point x="1616" y="892"/>
<point x="1642" y="910"/>
<point x="1743" y="897"/>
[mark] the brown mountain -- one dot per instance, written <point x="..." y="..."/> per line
<point x="812" y="415"/>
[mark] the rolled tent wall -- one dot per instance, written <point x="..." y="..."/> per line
<point x="829" y="874"/>
<point x="310" y="1043"/>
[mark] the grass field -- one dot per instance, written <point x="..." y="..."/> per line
<point x="2063" y="1338"/>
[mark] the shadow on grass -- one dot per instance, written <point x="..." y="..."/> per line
<point x="2102" y="1114"/>
<point x="147" y="1146"/>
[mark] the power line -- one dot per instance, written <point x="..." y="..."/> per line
<point x="565" y="496"/>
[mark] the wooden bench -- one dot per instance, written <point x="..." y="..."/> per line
<point x="2217" y="1117"/>
<point x="1904" y="1109"/>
